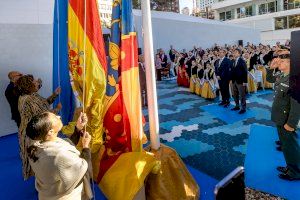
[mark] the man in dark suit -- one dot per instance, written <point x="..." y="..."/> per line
<point x="172" y="56"/>
<point x="286" y="115"/>
<point x="254" y="59"/>
<point x="223" y="73"/>
<point x="164" y="59"/>
<point x="12" y="96"/>
<point x="239" y="80"/>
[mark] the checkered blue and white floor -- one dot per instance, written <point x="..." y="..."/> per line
<point x="210" y="138"/>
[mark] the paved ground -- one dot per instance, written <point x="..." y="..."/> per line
<point x="209" y="138"/>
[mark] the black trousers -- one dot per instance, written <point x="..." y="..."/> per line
<point x="144" y="95"/>
<point x="224" y="89"/>
<point x="239" y="93"/>
<point x="158" y="74"/>
<point x="291" y="150"/>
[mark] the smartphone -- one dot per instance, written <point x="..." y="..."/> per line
<point x="232" y="186"/>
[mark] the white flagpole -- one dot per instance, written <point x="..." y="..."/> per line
<point x="150" y="75"/>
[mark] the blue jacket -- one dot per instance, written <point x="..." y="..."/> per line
<point x="224" y="69"/>
<point x="239" y="73"/>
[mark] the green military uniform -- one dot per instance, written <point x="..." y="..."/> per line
<point x="286" y="110"/>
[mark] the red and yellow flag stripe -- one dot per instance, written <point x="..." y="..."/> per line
<point x="87" y="53"/>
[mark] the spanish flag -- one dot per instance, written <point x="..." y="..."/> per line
<point x="123" y="165"/>
<point x="87" y="63"/>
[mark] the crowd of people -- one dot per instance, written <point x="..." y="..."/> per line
<point x="226" y="71"/>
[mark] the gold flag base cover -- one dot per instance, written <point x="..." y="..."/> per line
<point x="174" y="181"/>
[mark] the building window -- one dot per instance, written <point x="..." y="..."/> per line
<point x="291" y="4"/>
<point x="248" y="11"/>
<point x="222" y="16"/>
<point x="262" y="9"/>
<point x="228" y="15"/>
<point x="267" y="8"/>
<point x="240" y="13"/>
<point x="244" y="12"/>
<point x="272" y="7"/>
<point x="291" y="21"/>
<point x="294" y="21"/>
<point x="281" y="23"/>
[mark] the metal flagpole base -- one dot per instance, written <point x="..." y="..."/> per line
<point x="174" y="181"/>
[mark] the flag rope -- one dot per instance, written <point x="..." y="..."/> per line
<point x="84" y="84"/>
<point x="58" y="47"/>
<point x="84" y="62"/>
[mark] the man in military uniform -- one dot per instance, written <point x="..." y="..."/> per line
<point x="286" y="115"/>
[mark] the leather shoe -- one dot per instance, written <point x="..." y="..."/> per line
<point x="278" y="142"/>
<point x="242" y="111"/>
<point x="235" y="108"/>
<point x="279" y="148"/>
<point x="282" y="169"/>
<point x="287" y="177"/>
<point x="222" y="103"/>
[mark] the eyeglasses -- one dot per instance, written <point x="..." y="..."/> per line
<point x="282" y="56"/>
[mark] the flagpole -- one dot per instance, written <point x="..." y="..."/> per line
<point x="150" y="75"/>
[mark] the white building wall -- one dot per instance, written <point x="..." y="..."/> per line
<point x="183" y="32"/>
<point x="25" y="45"/>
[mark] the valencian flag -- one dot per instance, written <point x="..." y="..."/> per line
<point x="123" y="165"/>
<point x="87" y="54"/>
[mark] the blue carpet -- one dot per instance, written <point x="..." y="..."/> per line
<point x="11" y="180"/>
<point x="225" y="114"/>
<point x="261" y="162"/>
<point x="206" y="184"/>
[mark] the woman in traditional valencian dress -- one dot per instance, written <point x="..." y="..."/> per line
<point x="31" y="104"/>
<point x="182" y="78"/>
<point x="194" y="69"/>
<point x="252" y="86"/>
<point x="199" y="80"/>
<point x="210" y="84"/>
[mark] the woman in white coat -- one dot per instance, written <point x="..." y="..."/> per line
<point x="61" y="171"/>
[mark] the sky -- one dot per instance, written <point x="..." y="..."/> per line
<point x="186" y="3"/>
